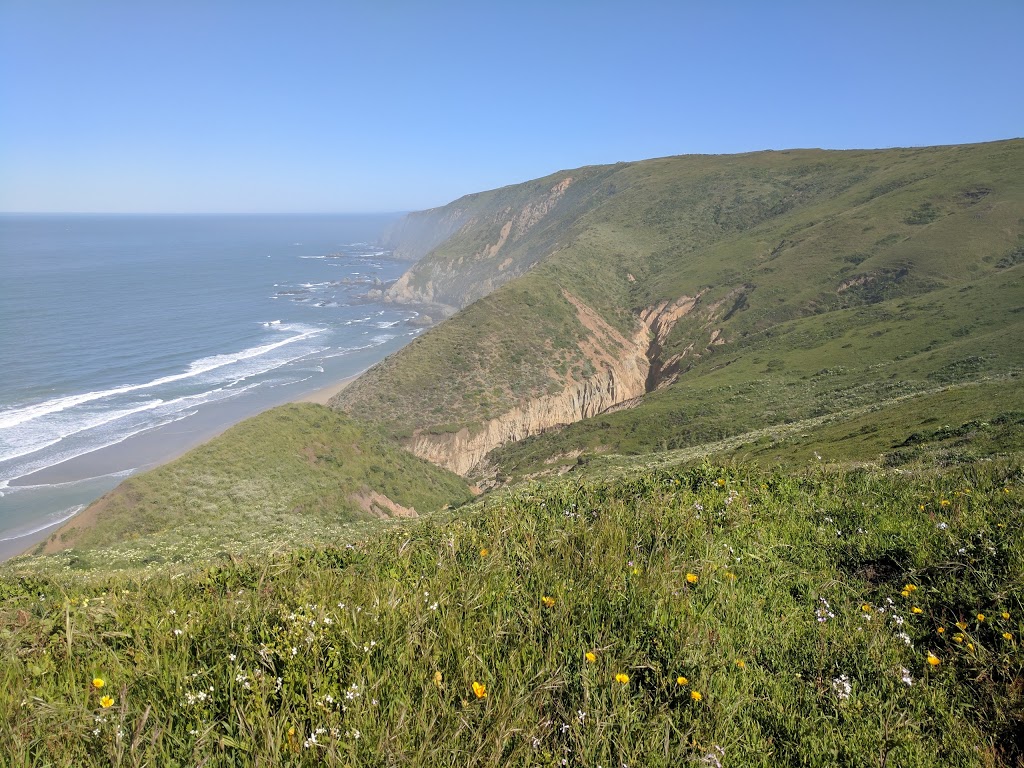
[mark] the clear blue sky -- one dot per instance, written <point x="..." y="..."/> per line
<point x="378" y="105"/>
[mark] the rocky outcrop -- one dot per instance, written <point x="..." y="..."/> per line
<point x="379" y="505"/>
<point x="623" y="367"/>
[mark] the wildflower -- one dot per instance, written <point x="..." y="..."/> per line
<point x="865" y="607"/>
<point x="905" y="676"/>
<point x="1007" y="636"/>
<point x="590" y="656"/>
<point x="961" y="625"/>
<point x="97" y="683"/>
<point x="941" y="630"/>
<point x="741" y="663"/>
<point x="910" y="588"/>
<point x="695" y="695"/>
<point x="905" y="593"/>
<point x="721" y="482"/>
<point x="479" y="689"/>
<point x="945" y="503"/>
<point x="692" y="578"/>
<point x="484" y="552"/>
<point x="438" y="677"/>
<point x="933" y="659"/>
<point x="970" y="646"/>
<point x="1006" y="615"/>
<point x="622" y="677"/>
<point x="730" y="576"/>
<point x="841" y="685"/>
<point x="681" y="680"/>
<point x="981" y="617"/>
<point x="549" y="602"/>
<point x="915" y="609"/>
<point x="106" y="702"/>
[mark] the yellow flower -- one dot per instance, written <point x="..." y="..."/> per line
<point x="681" y="680"/>
<point x="921" y="507"/>
<point x="961" y="625"/>
<point x="933" y="659"/>
<point x="865" y="607"/>
<point x="970" y="646"/>
<point x="1006" y="615"/>
<point x="915" y="609"/>
<point x="106" y="702"/>
<point x="945" y="503"/>
<point x="438" y="677"/>
<point x="905" y="593"/>
<point x="910" y="587"/>
<point x="695" y="695"/>
<point x="549" y="602"/>
<point x="741" y="663"/>
<point x="730" y="575"/>
<point x="98" y="682"/>
<point x="1007" y="636"/>
<point x="940" y="630"/>
<point x="479" y="689"/>
<point x="692" y="578"/>
<point x="721" y="481"/>
<point x="484" y="552"/>
<point x="981" y="617"/>
<point x="622" y="677"/>
<point x="591" y="656"/>
<point x="958" y="638"/>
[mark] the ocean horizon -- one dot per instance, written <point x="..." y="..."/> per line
<point x="127" y="338"/>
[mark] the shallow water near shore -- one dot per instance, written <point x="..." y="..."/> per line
<point x="129" y="339"/>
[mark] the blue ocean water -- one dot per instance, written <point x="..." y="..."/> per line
<point x="122" y="331"/>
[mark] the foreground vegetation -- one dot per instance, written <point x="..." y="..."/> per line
<point x="707" y="615"/>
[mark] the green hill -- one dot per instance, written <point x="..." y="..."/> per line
<point x="711" y="295"/>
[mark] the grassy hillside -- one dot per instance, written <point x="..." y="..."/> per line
<point x="707" y="615"/>
<point x="805" y="243"/>
<point x="814" y="366"/>
<point x="293" y="475"/>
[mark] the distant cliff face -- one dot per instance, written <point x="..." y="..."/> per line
<point x="415" y="235"/>
<point x="469" y="248"/>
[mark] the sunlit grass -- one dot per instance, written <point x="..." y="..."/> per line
<point x="671" y="617"/>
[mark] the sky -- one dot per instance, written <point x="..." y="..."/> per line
<point x="387" y="105"/>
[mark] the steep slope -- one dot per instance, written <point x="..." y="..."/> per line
<point x="294" y="474"/>
<point x="659" y="267"/>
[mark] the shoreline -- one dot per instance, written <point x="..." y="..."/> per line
<point x="21" y="545"/>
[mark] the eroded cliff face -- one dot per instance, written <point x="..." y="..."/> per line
<point x="623" y="369"/>
<point x="459" y="268"/>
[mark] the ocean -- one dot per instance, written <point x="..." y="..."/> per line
<point x="125" y="340"/>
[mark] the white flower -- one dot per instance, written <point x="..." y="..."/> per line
<point x="841" y="685"/>
<point x="178" y="632"/>
<point x="905" y="676"/>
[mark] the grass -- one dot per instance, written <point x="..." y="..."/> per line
<point x="298" y="474"/>
<point x="781" y="598"/>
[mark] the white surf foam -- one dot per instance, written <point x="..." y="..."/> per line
<point x="13" y="416"/>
